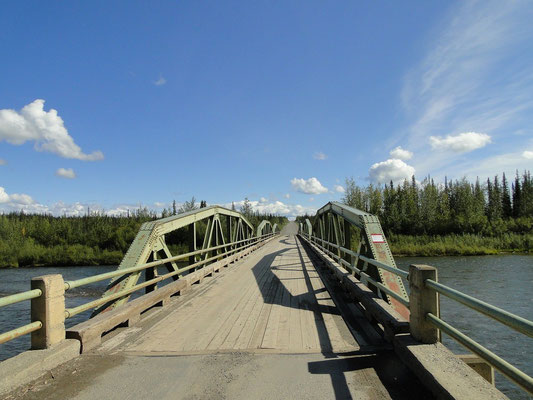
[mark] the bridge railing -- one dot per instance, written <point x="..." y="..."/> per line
<point x="359" y="272"/>
<point x="238" y="246"/>
<point x="423" y="301"/>
<point x="25" y="329"/>
<point x="147" y="252"/>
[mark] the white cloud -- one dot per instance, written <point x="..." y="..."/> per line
<point x="263" y="199"/>
<point x="45" y="128"/>
<point x="276" y="207"/>
<point x="320" y="156"/>
<point x="15" y="199"/>
<point x="467" y="80"/>
<point x="528" y="154"/>
<point x="160" y="82"/>
<point x="67" y="173"/>
<point x="2" y="161"/>
<point x="339" y="189"/>
<point x="490" y="166"/>
<point x="391" y="170"/>
<point x="309" y="186"/>
<point x="462" y="143"/>
<point x="401" y="154"/>
<point x="287" y="196"/>
<point x="23" y="202"/>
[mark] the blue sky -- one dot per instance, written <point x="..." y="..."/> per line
<point x="275" y="101"/>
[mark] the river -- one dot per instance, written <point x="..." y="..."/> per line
<point x="504" y="280"/>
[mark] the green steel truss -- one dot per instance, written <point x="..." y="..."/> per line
<point x="149" y="244"/>
<point x="335" y="223"/>
<point x="266" y="227"/>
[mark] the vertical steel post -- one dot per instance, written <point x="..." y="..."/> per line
<point x="192" y="242"/>
<point x="151" y="273"/>
<point x="228" y="231"/>
<point x="347" y="240"/>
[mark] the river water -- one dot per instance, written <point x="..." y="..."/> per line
<point x="505" y="281"/>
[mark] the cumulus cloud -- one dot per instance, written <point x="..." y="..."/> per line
<point x="67" y="173"/>
<point x="276" y="207"/>
<point x="308" y="186"/>
<point x="339" y="189"/>
<point x="287" y="196"/>
<point x="15" y="199"/>
<point x="160" y="82"/>
<point x="401" y="154"/>
<point x="462" y="143"/>
<point x="2" y="161"/>
<point x="45" y="128"/>
<point x="319" y="156"/>
<point x="391" y="170"/>
<point x="528" y="154"/>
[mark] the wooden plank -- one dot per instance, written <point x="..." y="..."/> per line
<point x="271" y="330"/>
<point x="307" y="320"/>
<point x="283" y="329"/>
<point x="253" y="296"/>
<point x="295" y="328"/>
<point x="260" y="327"/>
<point x="243" y="341"/>
<point x="223" y="331"/>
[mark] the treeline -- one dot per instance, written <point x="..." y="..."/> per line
<point x="491" y="208"/>
<point x="451" y="218"/>
<point x="96" y="239"/>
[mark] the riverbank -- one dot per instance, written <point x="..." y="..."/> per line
<point x="459" y="245"/>
<point x="56" y="256"/>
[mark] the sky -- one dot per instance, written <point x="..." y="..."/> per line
<point x="116" y="105"/>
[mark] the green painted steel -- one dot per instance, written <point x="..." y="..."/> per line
<point x="21" y="331"/>
<point x="373" y="245"/>
<point x="264" y="227"/>
<point x="18" y="297"/>
<point x="70" y="312"/>
<point x="513" y="373"/>
<point x="120" y="272"/>
<point x="149" y="243"/>
<point x="516" y="322"/>
<point x="396" y="271"/>
<point x="365" y="277"/>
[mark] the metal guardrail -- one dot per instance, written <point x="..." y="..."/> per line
<point x="240" y="235"/>
<point x="70" y="312"/>
<point x="510" y="371"/>
<point x="361" y="273"/>
<point x="506" y="318"/>
<point x="513" y="321"/>
<point x="107" y="275"/>
<point x="25" y="329"/>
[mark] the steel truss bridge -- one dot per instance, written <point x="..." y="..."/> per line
<point x="317" y="309"/>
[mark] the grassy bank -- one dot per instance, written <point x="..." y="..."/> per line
<point x="459" y="245"/>
<point x="45" y="240"/>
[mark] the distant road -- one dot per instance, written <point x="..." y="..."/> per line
<point x="290" y="229"/>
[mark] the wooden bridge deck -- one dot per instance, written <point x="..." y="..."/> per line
<point x="264" y="328"/>
<point x="274" y="302"/>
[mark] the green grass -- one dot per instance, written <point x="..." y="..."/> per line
<point x="459" y="245"/>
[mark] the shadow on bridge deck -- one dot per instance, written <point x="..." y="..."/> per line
<point x="265" y="328"/>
